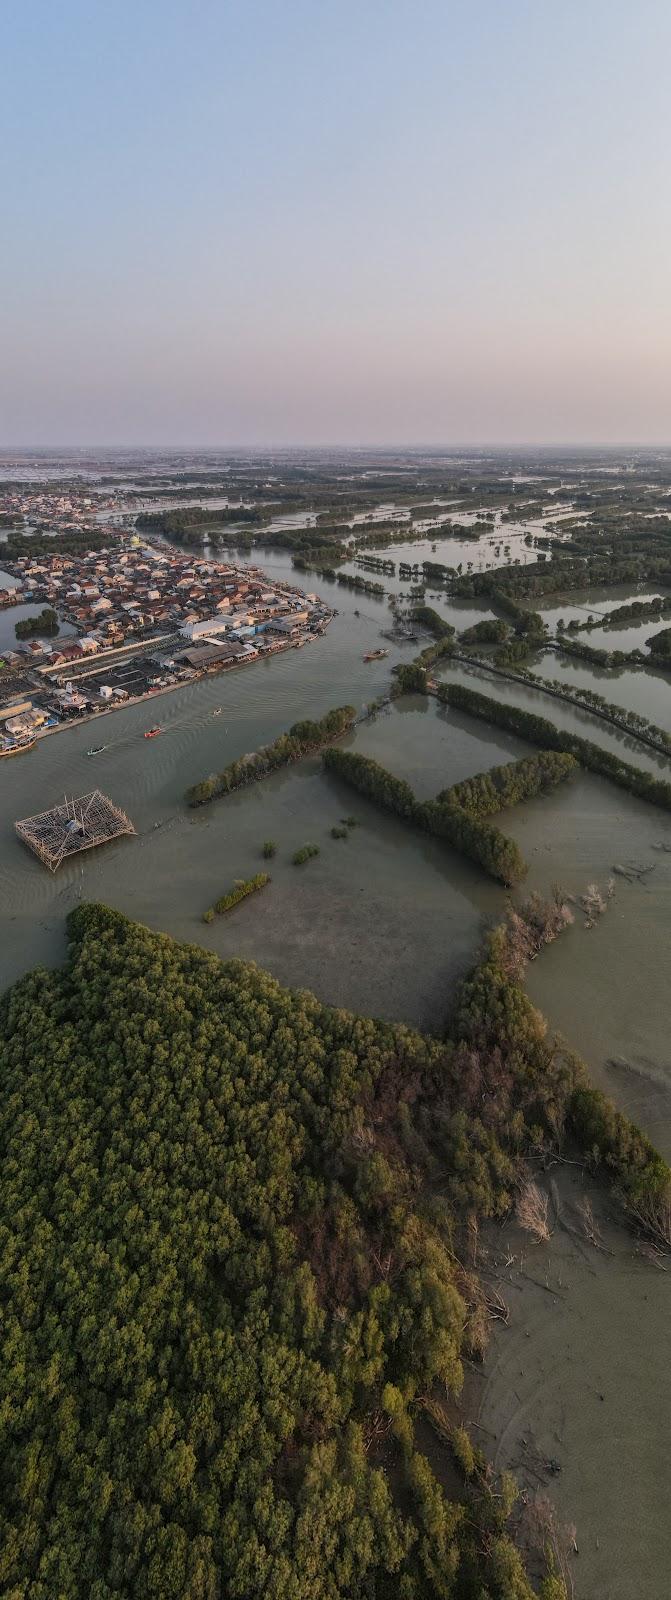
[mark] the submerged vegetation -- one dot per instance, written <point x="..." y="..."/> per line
<point x="303" y="739"/>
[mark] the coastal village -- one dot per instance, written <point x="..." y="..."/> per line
<point x="140" y="618"/>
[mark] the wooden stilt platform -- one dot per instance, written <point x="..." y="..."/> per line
<point x="80" y="824"/>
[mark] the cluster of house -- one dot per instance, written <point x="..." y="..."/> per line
<point x="136" y="592"/>
<point x="57" y="507"/>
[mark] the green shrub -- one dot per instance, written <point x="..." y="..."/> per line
<point x="241" y="889"/>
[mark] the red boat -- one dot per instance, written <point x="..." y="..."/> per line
<point x="153" y="733"/>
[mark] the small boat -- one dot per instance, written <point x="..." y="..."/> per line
<point x="376" y="655"/>
<point x="152" y="733"/>
<point x="96" y="749"/>
<point x="218" y="711"/>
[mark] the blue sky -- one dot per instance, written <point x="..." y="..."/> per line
<point x="442" y="221"/>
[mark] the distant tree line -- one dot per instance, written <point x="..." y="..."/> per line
<point x="565" y="572"/>
<point x="598" y="658"/>
<point x="631" y="721"/>
<point x="631" y="612"/>
<point x="361" y="585"/>
<point x="181" y="523"/>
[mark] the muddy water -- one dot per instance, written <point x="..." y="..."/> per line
<point x="9" y="617"/>
<point x="580" y="1379"/>
<point x="577" y="604"/>
<point x="640" y="689"/>
<point x="381" y="922"/>
<point x="606" y="989"/>
<point x="627" y="635"/>
<point x="568" y="717"/>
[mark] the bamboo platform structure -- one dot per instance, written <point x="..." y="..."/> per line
<point x="77" y="825"/>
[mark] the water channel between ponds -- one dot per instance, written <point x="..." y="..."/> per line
<point x="385" y="922"/>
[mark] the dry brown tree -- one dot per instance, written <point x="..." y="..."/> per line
<point x="654" y="1215"/>
<point x="593" y="904"/>
<point x="532" y="1211"/>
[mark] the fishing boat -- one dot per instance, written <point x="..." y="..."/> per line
<point x="16" y="746"/>
<point x="375" y="655"/>
<point x="152" y="733"/>
<point x="96" y="749"/>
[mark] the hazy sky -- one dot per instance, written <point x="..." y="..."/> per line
<point x="335" y="221"/>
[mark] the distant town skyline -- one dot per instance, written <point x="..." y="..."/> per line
<point x="248" y="225"/>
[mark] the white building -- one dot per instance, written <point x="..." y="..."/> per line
<point x="202" y="630"/>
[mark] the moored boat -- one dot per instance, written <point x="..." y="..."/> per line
<point x="15" y="747"/>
